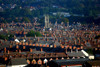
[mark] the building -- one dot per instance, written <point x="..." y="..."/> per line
<point x="47" y="21"/>
<point x="67" y="24"/>
<point x="92" y="63"/>
<point x="68" y="63"/>
<point x="17" y="62"/>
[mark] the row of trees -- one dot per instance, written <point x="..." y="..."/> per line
<point x="6" y="36"/>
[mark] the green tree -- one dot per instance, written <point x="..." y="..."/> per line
<point x="26" y="19"/>
<point x="89" y="50"/>
<point x="66" y="20"/>
<point x="2" y="36"/>
<point x="38" y="34"/>
<point x="31" y="33"/>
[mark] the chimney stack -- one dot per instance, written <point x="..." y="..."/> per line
<point x="8" y="52"/>
<point x="55" y="46"/>
<point x="6" y="58"/>
<point x="10" y="46"/>
<point x="57" y="58"/>
<point x="30" y="49"/>
<point x="66" y="50"/>
<point x="41" y="49"/>
<point x="19" y="51"/>
<point x="38" y="39"/>
<point x="5" y="50"/>
<point x="17" y="46"/>
<point x="24" y="47"/>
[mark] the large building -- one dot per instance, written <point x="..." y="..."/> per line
<point x="67" y="24"/>
<point x="47" y="21"/>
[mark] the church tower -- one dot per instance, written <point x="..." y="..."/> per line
<point x="67" y="24"/>
<point x="47" y="21"/>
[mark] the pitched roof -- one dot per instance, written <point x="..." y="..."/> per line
<point x="70" y="61"/>
<point x="94" y="63"/>
<point x="17" y="61"/>
<point x="75" y="54"/>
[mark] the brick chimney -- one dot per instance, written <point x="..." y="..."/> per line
<point x="8" y="51"/>
<point x="70" y="47"/>
<point x="30" y="44"/>
<point x="79" y="41"/>
<point x="41" y="49"/>
<point x="17" y="47"/>
<point x="85" y="42"/>
<point x="56" y="58"/>
<point x="66" y="50"/>
<point x="10" y="46"/>
<point x="40" y="45"/>
<point x="24" y="47"/>
<point x="17" y="43"/>
<point x="43" y="33"/>
<point x="26" y="43"/>
<point x="23" y="43"/>
<point x="20" y="43"/>
<point x="62" y="46"/>
<point x="19" y="51"/>
<point x="55" y="46"/>
<point x="81" y="47"/>
<point x="43" y="45"/>
<point x="47" y="45"/>
<point x="30" y="49"/>
<point x="38" y="39"/>
<point x="75" y="42"/>
<point x="37" y="44"/>
<point x="33" y="44"/>
<point x="5" y="50"/>
<point x="6" y="58"/>
<point x="60" y="40"/>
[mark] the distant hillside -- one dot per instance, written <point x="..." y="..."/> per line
<point x="10" y="9"/>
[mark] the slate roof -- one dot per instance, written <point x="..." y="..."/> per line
<point x="70" y="61"/>
<point x="17" y="61"/>
<point x="38" y="52"/>
<point x="76" y="54"/>
<point x="94" y="62"/>
<point x="4" y="44"/>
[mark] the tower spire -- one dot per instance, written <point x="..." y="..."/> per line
<point x="47" y="21"/>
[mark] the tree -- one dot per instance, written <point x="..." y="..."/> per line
<point x="38" y="34"/>
<point x="3" y="37"/>
<point x="31" y="33"/>
<point x="26" y="19"/>
<point x="6" y="36"/>
<point x="66" y="20"/>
